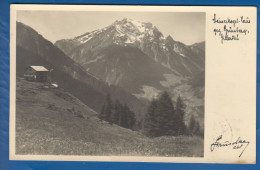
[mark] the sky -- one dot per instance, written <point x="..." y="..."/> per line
<point x="186" y="27"/>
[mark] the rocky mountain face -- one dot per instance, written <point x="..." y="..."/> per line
<point x="181" y="59"/>
<point x="139" y="58"/>
<point x="33" y="49"/>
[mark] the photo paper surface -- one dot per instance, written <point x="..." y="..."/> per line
<point x="133" y="83"/>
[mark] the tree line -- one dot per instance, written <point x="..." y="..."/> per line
<point x="165" y="119"/>
<point x="117" y="113"/>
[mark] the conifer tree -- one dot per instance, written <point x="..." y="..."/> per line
<point x="130" y="118"/>
<point x="180" y="111"/>
<point x="123" y="117"/>
<point x="194" y="127"/>
<point x="191" y="125"/>
<point x="160" y="119"/>
<point x="150" y="123"/>
<point x="116" y="112"/>
<point x="165" y="114"/>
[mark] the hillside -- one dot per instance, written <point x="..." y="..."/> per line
<point x="47" y="119"/>
<point x="33" y="49"/>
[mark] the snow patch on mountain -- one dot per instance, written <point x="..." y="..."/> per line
<point x="129" y="31"/>
<point x="139" y="25"/>
<point x="182" y="55"/>
<point x="178" y="50"/>
<point x="89" y="35"/>
<point x="85" y="39"/>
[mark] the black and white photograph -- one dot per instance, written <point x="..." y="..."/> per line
<point x="118" y="83"/>
<point x="97" y="83"/>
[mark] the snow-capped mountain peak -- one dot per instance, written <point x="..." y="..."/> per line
<point x="129" y="31"/>
<point x="124" y="32"/>
<point x="136" y="25"/>
<point x="178" y="57"/>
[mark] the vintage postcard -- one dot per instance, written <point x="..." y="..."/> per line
<point x="133" y="83"/>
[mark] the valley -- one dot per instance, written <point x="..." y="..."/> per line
<point x="137" y="57"/>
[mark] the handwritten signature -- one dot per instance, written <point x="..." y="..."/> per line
<point x="238" y="144"/>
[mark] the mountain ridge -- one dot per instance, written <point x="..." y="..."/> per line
<point x="33" y="49"/>
<point x="172" y="54"/>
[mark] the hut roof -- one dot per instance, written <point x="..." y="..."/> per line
<point x="39" y="68"/>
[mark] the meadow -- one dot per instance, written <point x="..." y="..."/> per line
<point x="53" y="122"/>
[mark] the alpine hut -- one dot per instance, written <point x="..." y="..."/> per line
<point x="36" y="73"/>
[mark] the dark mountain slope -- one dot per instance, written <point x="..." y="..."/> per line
<point x="127" y="67"/>
<point x="24" y="58"/>
<point x="33" y="49"/>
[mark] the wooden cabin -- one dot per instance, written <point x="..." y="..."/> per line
<point x="36" y="73"/>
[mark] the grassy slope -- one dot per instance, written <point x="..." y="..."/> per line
<point x="53" y="122"/>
